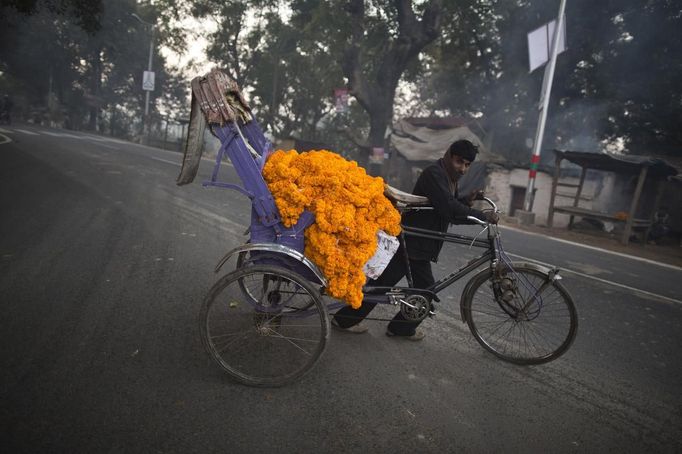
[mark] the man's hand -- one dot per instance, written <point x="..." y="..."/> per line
<point x="491" y="217"/>
<point x="475" y="195"/>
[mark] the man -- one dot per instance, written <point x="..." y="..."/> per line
<point x="438" y="182"/>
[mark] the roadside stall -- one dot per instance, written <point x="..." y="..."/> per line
<point x="640" y="177"/>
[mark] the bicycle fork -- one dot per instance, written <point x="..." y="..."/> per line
<point x="506" y="290"/>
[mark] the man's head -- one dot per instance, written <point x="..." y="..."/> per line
<point x="459" y="157"/>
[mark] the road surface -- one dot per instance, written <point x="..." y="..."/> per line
<point x="103" y="265"/>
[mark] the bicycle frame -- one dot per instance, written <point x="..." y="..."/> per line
<point x="487" y="256"/>
<point x="383" y="295"/>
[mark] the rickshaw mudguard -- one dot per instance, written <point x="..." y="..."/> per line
<point x="278" y="249"/>
<point x="551" y="273"/>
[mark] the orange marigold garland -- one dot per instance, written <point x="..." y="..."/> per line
<point x="349" y="207"/>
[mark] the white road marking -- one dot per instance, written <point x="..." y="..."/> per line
<point x="5" y="131"/>
<point x="588" y="268"/>
<point x="603" y="281"/>
<point x="224" y="163"/>
<point x="606" y="251"/>
<point x="103" y="139"/>
<point x="61" y="134"/>
<point x="108" y="146"/>
<point x="100" y="139"/>
<point x="226" y="224"/>
<point x="31" y="133"/>
<point x="165" y="160"/>
<point x="54" y="134"/>
<point x="4" y="139"/>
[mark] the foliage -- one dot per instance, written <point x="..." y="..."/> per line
<point x="86" y="12"/>
<point x="288" y="77"/>
<point x="81" y="66"/>
<point x="619" y="78"/>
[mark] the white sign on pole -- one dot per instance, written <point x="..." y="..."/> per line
<point x="341" y="96"/>
<point x="540" y="44"/>
<point x="148" y="80"/>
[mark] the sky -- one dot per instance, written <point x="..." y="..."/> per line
<point x="193" y="60"/>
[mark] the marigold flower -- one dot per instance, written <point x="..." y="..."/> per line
<point x="349" y="207"/>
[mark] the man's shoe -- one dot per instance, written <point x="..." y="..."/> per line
<point x="355" y="329"/>
<point x="417" y="336"/>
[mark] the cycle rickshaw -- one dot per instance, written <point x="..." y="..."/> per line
<point x="266" y="323"/>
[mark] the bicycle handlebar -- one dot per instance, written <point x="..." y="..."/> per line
<point x="478" y="221"/>
<point x="475" y="220"/>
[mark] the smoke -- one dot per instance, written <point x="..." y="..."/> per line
<point x="577" y="126"/>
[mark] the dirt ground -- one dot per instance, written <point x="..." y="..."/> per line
<point x="669" y="251"/>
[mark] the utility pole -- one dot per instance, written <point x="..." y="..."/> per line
<point x="148" y="78"/>
<point x="544" y="104"/>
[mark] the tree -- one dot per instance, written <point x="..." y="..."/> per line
<point x="289" y="68"/>
<point x="380" y="45"/>
<point x="287" y="77"/>
<point x="83" y="61"/>
<point x="617" y="82"/>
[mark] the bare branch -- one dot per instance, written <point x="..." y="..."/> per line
<point x="351" y="64"/>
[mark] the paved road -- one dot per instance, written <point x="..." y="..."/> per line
<point x="103" y="264"/>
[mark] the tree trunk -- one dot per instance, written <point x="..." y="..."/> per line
<point x="95" y="87"/>
<point x="376" y="93"/>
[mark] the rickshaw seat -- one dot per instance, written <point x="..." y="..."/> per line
<point x="405" y="199"/>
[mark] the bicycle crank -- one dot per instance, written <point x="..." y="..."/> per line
<point x="415" y="308"/>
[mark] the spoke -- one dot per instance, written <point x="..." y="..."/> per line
<point x="531" y="338"/>
<point x="222" y="349"/>
<point x="534" y="338"/>
<point x="278" y="335"/>
<point x="229" y="334"/>
<point x="507" y="343"/>
<point x="292" y="343"/>
<point x="547" y="332"/>
<point x="497" y="313"/>
<point x="504" y="334"/>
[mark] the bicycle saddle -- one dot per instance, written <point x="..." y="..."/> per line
<point x="398" y="196"/>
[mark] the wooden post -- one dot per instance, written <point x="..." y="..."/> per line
<point x="165" y="134"/>
<point x="552" y="197"/>
<point x="576" y="200"/>
<point x="633" y="205"/>
<point x="657" y="205"/>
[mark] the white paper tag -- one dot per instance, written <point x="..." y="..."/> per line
<point x="387" y="246"/>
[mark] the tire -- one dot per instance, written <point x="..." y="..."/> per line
<point x="264" y="325"/>
<point x="508" y="322"/>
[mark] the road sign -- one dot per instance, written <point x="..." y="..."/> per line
<point x="377" y="156"/>
<point x="341" y="98"/>
<point x="148" y="80"/>
<point x="540" y="44"/>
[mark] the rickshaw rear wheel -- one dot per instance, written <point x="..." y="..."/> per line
<point x="264" y="325"/>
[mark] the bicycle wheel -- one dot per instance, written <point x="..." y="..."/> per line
<point x="521" y="316"/>
<point x="264" y="325"/>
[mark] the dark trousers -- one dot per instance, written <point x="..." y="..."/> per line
<point x="394" y="272"/>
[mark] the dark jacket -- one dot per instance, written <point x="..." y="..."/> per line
<point x="433" y="183"/>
